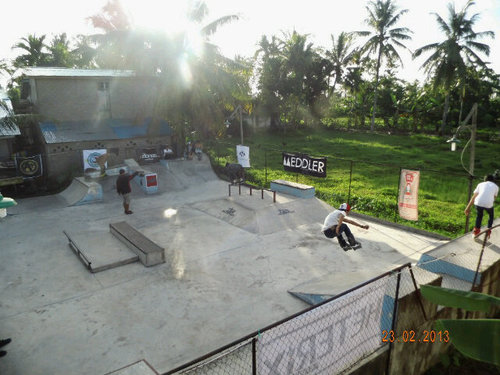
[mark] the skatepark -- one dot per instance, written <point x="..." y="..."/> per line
<point x="229" y="265"/>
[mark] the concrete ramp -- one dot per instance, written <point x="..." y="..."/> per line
<point x="459" y="258"/>
<point x="183" y="174"/>
<point x="81" y="192"/>
<point x="138" y="368"/>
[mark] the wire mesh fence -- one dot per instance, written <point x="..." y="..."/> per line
<point x="336" y="335"/>
<point x="328" y="338"/>
<point x="371" y="187"/>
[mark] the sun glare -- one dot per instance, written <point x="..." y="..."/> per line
<point x="167" y="16"/>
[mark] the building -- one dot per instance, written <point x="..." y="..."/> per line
<point x="82" y="109"/>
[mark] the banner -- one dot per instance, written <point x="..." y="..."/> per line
<point x="408" y="194"/>
<point x="301" y="163"/>
<point x="243" y="154"/>
<point x="90" y="159"/>
<point x="147" y="155"/>
<point x="29" y="166"/>
<point x="327" y="339"/>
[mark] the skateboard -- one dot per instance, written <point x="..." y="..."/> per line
<point x="354" y="247"/>
<point x="480" y="239"/>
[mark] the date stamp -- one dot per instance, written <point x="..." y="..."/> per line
<point x="426" y="336"/>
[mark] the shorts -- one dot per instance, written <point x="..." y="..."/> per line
<point x="126" y="198"/>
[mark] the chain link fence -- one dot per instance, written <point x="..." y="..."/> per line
<point x="336" y="335"/>
<point x="328" y="338"/>
<point x="371" y="187"/>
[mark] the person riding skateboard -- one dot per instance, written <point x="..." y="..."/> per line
<point x="335" y="225"/>
<point x="123" y="188"/>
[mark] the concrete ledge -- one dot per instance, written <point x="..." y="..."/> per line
<point x="149" y="252"/>
<point x="293" y="188"/>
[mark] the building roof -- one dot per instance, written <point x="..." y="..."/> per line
<point x="110" y="129"/>
<point x="8" y="128"/>
<point x="69" y="72"/>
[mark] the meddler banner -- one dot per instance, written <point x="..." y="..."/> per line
<point x="301" y="163"/>
<point x="408" y="194"/>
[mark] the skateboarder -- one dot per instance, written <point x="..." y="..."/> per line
<point x="123" y="188"/>
<point x="335" y="225"/>
<point x="484" y="200"/>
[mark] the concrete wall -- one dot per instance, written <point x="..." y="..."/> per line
<point x="78" y="99"/>
<point x="65" y="160"/>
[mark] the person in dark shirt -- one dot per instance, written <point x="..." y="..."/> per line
<point x="123" y="188"/>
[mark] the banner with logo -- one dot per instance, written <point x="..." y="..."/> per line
<point x="243" y="154"/>
<point x="29" y="166"/>
<point x="327" y="339"/>
<point x="408" y="194"/>
<point x="301" y="163"/>
<point x="90" y="159"/>
<point x="148" y="155"/>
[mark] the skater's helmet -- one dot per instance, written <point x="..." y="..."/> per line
<point x="345" y="207"/>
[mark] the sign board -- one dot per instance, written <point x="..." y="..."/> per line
<point x="301" y="163"/>
<point x="148" y="155"/>
<point x="29" y="166"/>
<point x="90" y="159"/>
<point x="408" y="194"/>
<point x="243" y="154"/>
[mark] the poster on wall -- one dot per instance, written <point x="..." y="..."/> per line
<point x="243" y="154"/>
<point x="304" y="164"/>
<point x="408" y="194"/>
<point x="29" y="166"/>
<point x="90" y="159"/>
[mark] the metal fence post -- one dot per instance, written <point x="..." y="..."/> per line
<point x="254" y="356"/>
<point x="471" y="179"/>
<point x="350" y="182"/>
<point x="397" y="197"/>
<point x="265" y="166"/>
<point x="393" y="326"/>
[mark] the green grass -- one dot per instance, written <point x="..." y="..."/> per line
<point x="376" y="160"/>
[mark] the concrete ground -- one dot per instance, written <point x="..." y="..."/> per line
<point x="229" y="264"/>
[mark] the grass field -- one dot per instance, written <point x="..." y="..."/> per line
<point x="375" y="161"/>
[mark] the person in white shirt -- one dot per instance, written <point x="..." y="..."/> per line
<point x="335" y="224"/>
<point x="484" y="200"/>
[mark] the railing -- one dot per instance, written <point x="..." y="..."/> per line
<point x="330" y="337"/>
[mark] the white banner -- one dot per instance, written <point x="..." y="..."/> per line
<point x="408" y="194"/>
<point x="327" y="339"/>
<point x="90" y="159"/>
<point x="243" y="154"/>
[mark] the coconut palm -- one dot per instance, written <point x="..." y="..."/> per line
<point x="341" y="56"/>
<point x="35" y="48"/>
<point x="384" y="38"/>
<point x="451" y="57"/>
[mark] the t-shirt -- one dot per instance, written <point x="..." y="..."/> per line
<point x="123" y="184"/>
<point x="333" y="219"/>
<point x="487" y="191"/>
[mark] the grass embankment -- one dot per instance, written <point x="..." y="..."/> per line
<point x="376" y="160"/>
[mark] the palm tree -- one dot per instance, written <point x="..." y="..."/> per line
<point x="451" y="57"/>
<point x="35" y="51"/>
<point x="341" y="55"/>
<point x="382" y="17"/>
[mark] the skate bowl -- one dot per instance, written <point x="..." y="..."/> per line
<point x="81" y="192"/>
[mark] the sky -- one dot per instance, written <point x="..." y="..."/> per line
<point x="317" y="18"/>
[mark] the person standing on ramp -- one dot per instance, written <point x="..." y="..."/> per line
<point x="484" y="200"/>
<point x="123" y="188"/>
<point x="335" y="225"/>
